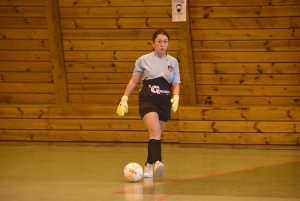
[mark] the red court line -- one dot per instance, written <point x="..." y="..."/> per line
<point x="205" y="176"/>
<point x="224" y="196"/>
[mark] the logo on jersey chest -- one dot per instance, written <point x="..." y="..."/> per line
<point x="156" y="90"/>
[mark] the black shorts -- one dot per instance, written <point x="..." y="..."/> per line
<point x="152" y="108"/>
<point x="155" y="96"/>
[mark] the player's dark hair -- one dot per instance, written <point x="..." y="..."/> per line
<point x="160" y="31"/>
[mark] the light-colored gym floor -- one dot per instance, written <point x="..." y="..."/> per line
<point x="48" y="173"/>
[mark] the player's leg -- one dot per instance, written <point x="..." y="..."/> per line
<point x="151" y="120"/>
<point x="158" y="166"/>
<point x="155" y="128"/>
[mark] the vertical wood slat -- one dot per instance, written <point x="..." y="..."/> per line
<point x="56" y="51"/>
<point x="186" y="56"/>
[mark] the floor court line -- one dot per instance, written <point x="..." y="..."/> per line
<point x="163" y="197"/>
<point x="205" y="176"/>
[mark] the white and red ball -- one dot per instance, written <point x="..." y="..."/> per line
<point x="133" y="172"/>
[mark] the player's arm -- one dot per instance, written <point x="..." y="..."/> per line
<point x="131" y="84"/>
<point x="175" y="89"/>
<point x="123" y="106"/>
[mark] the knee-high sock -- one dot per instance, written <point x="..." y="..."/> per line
<point x="154" y="151"/>
<point x="149" y="157"/>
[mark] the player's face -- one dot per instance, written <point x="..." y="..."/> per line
<point x="160" y="44"/>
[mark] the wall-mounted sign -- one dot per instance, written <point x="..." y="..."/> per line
<point x="178" y="10"/>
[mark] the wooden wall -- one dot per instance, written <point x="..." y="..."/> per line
<point x="102" y="40"/>
<point x="191" y="126"/>
<point x="246" y="52"/>
<point x="64" y="64"/>
<point x="25" y="61"/>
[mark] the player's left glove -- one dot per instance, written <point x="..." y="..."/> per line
<point x="175" y="101"/>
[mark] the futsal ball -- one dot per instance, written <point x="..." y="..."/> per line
<point x="133" y="172"/>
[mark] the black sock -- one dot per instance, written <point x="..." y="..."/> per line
<point x="154" y="151"/>
<point x="149" y="157"/>
<point x="154" y="148"/>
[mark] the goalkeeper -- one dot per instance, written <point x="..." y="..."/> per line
<point x="158" y="95"/>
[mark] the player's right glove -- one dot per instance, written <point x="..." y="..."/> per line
<point x="123" y="106"/>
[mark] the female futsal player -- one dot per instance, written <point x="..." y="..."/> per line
<point x="158" y="95"/>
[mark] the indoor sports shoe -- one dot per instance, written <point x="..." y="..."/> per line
<point x="159" y="169"/>
<point x="148" y="171"/>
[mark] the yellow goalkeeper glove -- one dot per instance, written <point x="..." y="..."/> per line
<point x="123" y="106"/>
<point x="175" y="101"/>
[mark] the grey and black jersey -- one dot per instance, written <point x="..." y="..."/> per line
<point x="158" y="75"/>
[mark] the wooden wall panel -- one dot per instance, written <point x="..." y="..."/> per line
<point x="83" y="136"/>
<point x="26" y="87"/>
<point x="251" y="100"/>
<point x="118" y="23"/>
<point x="249" y="90"/>
<point x="187" y="64"/>
<point x="56" y="51"/>
<point x="107" y="55"/>
<point x="109" y="78"/>
<point x="133" y="45"/>
<point x="243" y="126"/>
<point x="27" y="98"/>
<point x="249" y="68"/>
<point x="242" y="3"/>
<point x="24" y="56"/>
<point x="270" y="57"/>
<point x="97" y="67"/>
<point x="236" y="126"/>
<point x="22" y="3"/>
<point x="202" y="125"/>
<point x="239" y="138"/>
<point x="72" y="123"/>
<point x="245" y="79"/>
<point x="101" y="37"/>
<point x="241" y="114"/>
<point x="275" y="45"/>
<point x="241" y="58"/>
<point x="269" y="34"/>
<point x="103" y="89"/>
<point x="115" y="34"/>
<point x="23" y="33"/>
<point x="246" y="23"/>
<point x="24" y="112"/>
<point x="246" y="53"/>
<point x="84" y="98"/>
<point x="12" y="11"/>
<point x="25" y="68"/>
<point x="24" y="45"/>
<point x="249" y="11"/>
<point x="119" y="11"/>
<point x="114" y="3"/>
<point x="29" y="23"/>
<point x="25" y="77"/>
